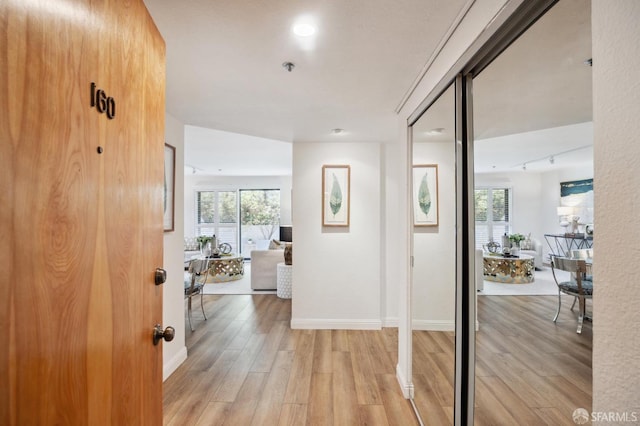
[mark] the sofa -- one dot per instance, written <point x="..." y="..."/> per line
<point x="534" y="250"/>
<point x="191" y="248"/>
<point x="263" y="268"/>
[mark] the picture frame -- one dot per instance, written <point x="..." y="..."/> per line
<point x="425" y="195"/>
<point x="336" y="195"/>
<point x="169" y="187"/>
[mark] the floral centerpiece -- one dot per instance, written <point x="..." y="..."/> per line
<point x="204" y="239"/>
<point x="516" y="238"/>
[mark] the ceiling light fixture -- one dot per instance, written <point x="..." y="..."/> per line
<point x="337" y="131"/>
<point x="550" y="158"/>
<point x="289" y="66"/>
<point x="304" y="30"/>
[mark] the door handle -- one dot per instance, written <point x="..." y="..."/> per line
<point x="158" y="334"/>
<point x="160" y="276"/>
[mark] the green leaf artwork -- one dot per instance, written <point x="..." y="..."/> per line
<point x="336" y="196"/>
<point x="424" y="196"/>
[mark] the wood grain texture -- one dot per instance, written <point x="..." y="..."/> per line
<point x="314" y="377"/>
<point x="80" y="232"/>
<point x="293" y="415"/>
<point x="345" y="401"/>
<point x="357" y="385"/>
<point x="373" y="415"/>
<point x="320" y="408"/>
<point x="529" y="370"/>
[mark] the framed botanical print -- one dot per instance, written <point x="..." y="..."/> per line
<point x="425" y="195"/>
<point x="169" y="187"/>
<point x="336" y="195"/>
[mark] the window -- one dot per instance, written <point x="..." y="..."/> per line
<point x="259" y="215"/>
<point x="217" y="214"/>
<point x="257" y="210"/>
<point x="493" y="214"/>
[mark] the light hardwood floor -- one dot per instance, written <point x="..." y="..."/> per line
<point x="529" y="371"/>
<point x="247" y="367"/>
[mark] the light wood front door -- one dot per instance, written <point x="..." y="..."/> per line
<point x="81" y="184"/>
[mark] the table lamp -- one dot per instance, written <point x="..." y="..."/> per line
<point x="566" y="215"/>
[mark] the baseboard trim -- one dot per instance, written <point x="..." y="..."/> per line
<point x="325" y="324"/>
<point x="431" y="325"/>
<point x="405" y="386"/>
<point x="390" y="322"/>
<point x="172" y="365"/>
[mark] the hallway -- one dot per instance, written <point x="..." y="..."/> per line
<point x="247" y="367"/>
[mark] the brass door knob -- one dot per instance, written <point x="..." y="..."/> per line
<point x="167" y="334"/>
<point x="160" y="276"/>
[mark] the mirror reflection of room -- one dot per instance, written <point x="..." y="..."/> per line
<point x="434" y="245"/>
<point x="534" y="192"/>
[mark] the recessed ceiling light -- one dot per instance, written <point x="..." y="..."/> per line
<point x="304" y="30"/>
<point x="337" y="131"/>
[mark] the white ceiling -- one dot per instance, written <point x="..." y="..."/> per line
<point x="224" y="72"/>
<point x="535" y="100"/>
<point x="215" y="152"/>
<point x="531" y="103"/>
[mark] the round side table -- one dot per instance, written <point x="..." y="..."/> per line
<point x="283" y="280"/>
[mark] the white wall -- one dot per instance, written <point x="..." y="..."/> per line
<point x="434" y="248"/>
<point x="198" y="182"/>
<point x="175" y="352"/>
<point x="336" y="271"/>
<point x="616" y="341"/>
<point x="397" y="248"/>
<point x="395" y="245"/>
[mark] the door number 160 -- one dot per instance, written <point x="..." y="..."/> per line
<point x="102" y="102"/>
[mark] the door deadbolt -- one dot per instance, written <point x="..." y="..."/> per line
<point x="160" y="276"/>
<point x="158" y="334"/>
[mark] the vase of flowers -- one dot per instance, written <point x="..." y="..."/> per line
<point x="516" y="238"/>
<point x="205" y="244"/>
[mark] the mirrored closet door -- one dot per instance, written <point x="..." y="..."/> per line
<point x="434" y="251"/>
<point x="533" y="130"/>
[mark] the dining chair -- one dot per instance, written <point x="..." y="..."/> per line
<point x="584" y="254"/>
<point x="195" y="279"/>
<point x="576" y="286"/>
<point x="587" y="256"/>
